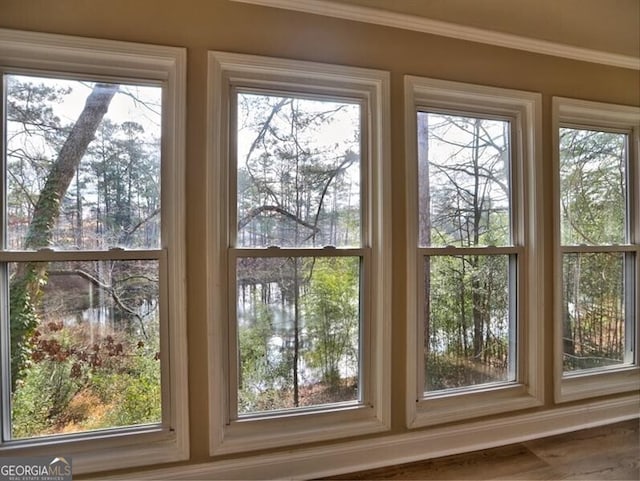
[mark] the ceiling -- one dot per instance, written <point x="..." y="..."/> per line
<point x="605" y="25"/>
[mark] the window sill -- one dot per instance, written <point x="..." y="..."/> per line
<point x="466" y="404"/>
<point x="95" y="452"/>
<point x="590" y="384"/>
<point x="253" y="434"/>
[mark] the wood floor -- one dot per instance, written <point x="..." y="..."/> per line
<point x="608" y="452"/>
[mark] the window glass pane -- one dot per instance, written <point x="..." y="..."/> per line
<point x="84" y="346"/>
<point x="467" y="331"/>
<point x="298" y="177"/>
<point x="592" y="187"/>
<point x="83" y="164"/>
<point x="463" y="169"/>
<point x="593" y="310"/>
<point x="298" y="322"/>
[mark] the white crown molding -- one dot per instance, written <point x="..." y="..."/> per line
<point x="452" y="30"/>
<point x="352" y="456"/>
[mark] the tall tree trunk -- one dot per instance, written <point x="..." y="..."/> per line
<point x="26" y="285"/>
<point x="476" y="293"/>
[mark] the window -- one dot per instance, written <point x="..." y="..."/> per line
<point x="301" y="326"/>
<point x="91" y="250"/>
<point x="597" y="235"/>
<point x="298" y="315"/>
<point x="465" y="196"/>
<point x="471" y="155"/>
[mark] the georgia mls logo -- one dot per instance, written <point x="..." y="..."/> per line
<point x="35" y="469"/>
<point x="59" y="467"/>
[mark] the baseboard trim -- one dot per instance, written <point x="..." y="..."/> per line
<point x="345" y="457"/>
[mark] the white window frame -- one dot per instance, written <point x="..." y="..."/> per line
<point x="597" y="116"/>
<point x="111" y="61"/>
<point x="226" y="72"/>
<point x="523" y="109"/>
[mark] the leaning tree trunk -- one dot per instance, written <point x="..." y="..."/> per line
<point x="26" y="284"/>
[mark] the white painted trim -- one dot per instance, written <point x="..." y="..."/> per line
<point x="601" y="114"/>
<point x="525" y="110"/>
<point x="612" y="379"/>
<point x="89" y="56"/>
<point x="227" y="71"/>
<point x="599" y="383"/>
<point x="94" y="58"/>
<point x="175" y="215"/>
<point x="452" y="30"/>
<point x="348" y="457"/>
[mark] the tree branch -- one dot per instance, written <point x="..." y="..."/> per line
<point x="108" y="289"/>
<point x="273" y="208"/>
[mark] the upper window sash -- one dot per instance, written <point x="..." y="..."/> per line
<point x="311" y="100"/>
<point x="486" y="163"/>
<point x="599" y="118"/>
<point x="522" y="110"/>
<point x="121" y="62"/>
<point x="619" y="141"/>
<point x="129" y="126"/>
<point x="231" y="73"/>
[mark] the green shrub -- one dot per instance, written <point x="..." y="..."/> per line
<point x="42" y="397"/>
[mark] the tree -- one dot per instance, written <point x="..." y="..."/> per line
<point x="593" y="211"/>
<point x="464" y="202"/>
<point x="297" y="186"/>
<point x="332" y="314"/>
<point x="27" y="282"/>
<point x="85" y="324"/>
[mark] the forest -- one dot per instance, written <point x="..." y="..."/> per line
<point x="83" y="175"/>
<point x="593" y="196"/>
<point x="465" y="202"/>
<point x="470" y="300"/>
<point x="298" y="314"/>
